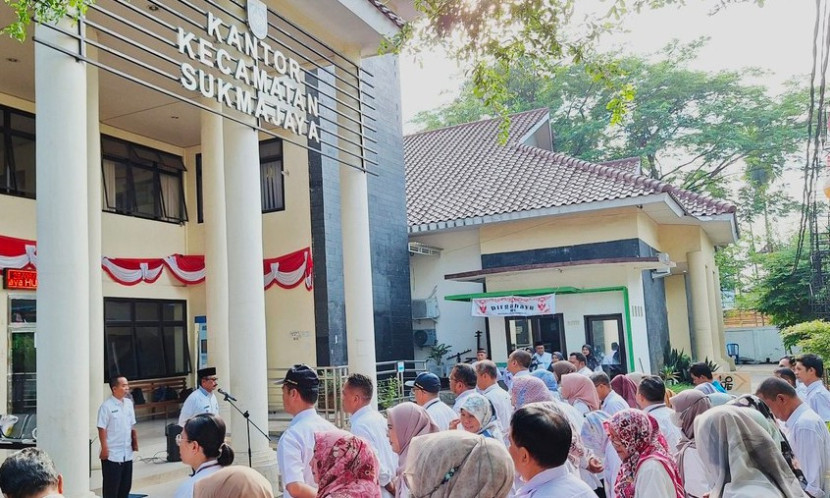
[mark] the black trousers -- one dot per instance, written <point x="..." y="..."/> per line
<point x="118" y="478"/>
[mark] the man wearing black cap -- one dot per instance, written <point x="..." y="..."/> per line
<point x="425" y="389"/>
<point x="300" y="389"/>
<point x="202" y="400"/>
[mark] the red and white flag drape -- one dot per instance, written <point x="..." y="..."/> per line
<point x="286" y="271"/>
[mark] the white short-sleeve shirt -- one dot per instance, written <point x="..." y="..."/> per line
<point x="614" y="403"/>
<point x="653" y="480"/>
<point x="669" y="429"/>
<point x="199" y="401"/>
<point x="810" y="440"/>
<point x="296" y="448"/>
<point x="557" y="481"/>
<point x="371" y="426"/>
<point x="501" y="402"/>
<point x="818" y="397"/>
<point x="185" y="490"/>
<point x="118" y="418"/>
<point x="440" y="413"/>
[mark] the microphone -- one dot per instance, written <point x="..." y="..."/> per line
<point x="226" y="394"/>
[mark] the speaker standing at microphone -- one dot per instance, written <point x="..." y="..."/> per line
<point x="202" y="400"/>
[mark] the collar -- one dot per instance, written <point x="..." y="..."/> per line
<point x="610" y="397"/>
<point x="464" y="395"/>
<point x="521" y="373"/>
<point x="814" y="386"/>
<point x="360" y="413"/>
<point x="489" y="389"/>
<point x="206" y="465"/>
<point x="652" y="408"/>
<point x="307" y="413"/>
<point x="796" y="414"/>
<point x="119" y="401"/>
<point x="204" y="391"/>
<point x="543" y="477"/>
<point x="431" y="402"/>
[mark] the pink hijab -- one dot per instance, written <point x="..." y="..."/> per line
<point x="408" y="420"/>
<point x="625" y="387"/>
<point x="576" y="387"/>
<point x="345" y="466"/>
<point x="528" y="389"/>
<point x="639" y="434"/>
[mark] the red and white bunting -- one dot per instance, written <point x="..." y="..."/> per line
<point x="127" y="271"/>
<point x="17" y="253"/>
<point x="290" y="270"/>
<point x="189" y="270"/>
<point x="514" y="305"/>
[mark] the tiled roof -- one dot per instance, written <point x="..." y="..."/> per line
<point x="629" y="164"/>
<point x="462" y="172"/>
<point x="395" y="18"/>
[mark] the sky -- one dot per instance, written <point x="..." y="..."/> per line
<point x="776" y="37"/>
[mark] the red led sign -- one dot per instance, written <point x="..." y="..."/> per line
<point x="19" y="279"/>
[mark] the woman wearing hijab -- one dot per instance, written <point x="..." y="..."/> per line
<point x="635" y="377"/>
<point x="406" y="421"/>
<point x="626" y="388"/>
<point x="591" y="360"/>
<point x="453" y="464"/>
<point x="647" y="469"/>
<point x="597" y="441"/>
<point x="548" y="378"/>
<point x="687" y="406"/>
<point x="479" y="417"/>
<point x="233" y="481"/>
<point x="580" y="392"/>
<point x="561" y="368"/>
<point x="344" y="466"/>
<point x="528" y="389"/>
<point x="761" y="413"/>
<point x="202" y="447"/>
<point x="741" y="457"/>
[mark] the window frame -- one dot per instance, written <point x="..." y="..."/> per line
<point x="156" y="167"/>
<point x="160" y="324"/>
<point x="7" y="159"/>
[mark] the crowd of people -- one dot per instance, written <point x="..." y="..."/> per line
<point x="563" y="430"/>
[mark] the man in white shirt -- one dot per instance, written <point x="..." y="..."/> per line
<point x="809" y="369"/>
<point x="540" y="440"/>
<point x="295" y="449"/>
<point x="806" y="431"/>
<point x="30" y="473"/>
<point x="541" y="359"/>
<point x="518" y="365"/>
<point x="425" y="390"/>
<point x="116" y="431"/>
<point x="486" y="372"/>
<point x="202" y="400"/>
<point x="611" y="401"/>
<point x="651" y="396"/>
<point x="367" y="423"/>
<point x="789" y="362"/>
<point x="462" y="383"/>
<point x="580" y="362"/>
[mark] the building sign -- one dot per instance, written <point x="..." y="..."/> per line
<point x="734" y="382"/>
<point x="514" y="306"/>
<point x="19" y="279"/>
<point x="240" y="70"/>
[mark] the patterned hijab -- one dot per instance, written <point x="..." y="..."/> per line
<point x="577" y="450"/>
<point x="638" y="433"/>
<point x="561" y="368"/>
<point x="482" y="409"/>
<point x="575" y="387"/>
<point x="345" y="466"/>
<point x="741" y="456"/>
<point x="528" y="389"/>
<point x="626" y="388"/>
<point x="408" y="420"/>
<point x="764" y="417"/>
<point x="548" y="378"/>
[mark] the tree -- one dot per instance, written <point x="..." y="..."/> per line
<point x="782" y="293"/>
<point x="689" y="127"/>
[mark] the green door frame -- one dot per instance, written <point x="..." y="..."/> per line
<point x="565" y="290"/>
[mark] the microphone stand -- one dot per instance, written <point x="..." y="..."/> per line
<point x="248" y="425"/>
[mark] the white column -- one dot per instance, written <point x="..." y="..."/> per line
<point x="62" y="338"/>
<point x="96" y="293"/>
<point x="246" y="297"/>
<point x="701" y="320"/>
<point x="216" y="252"/>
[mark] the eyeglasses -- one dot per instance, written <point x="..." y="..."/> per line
<point x="180" y="440"/>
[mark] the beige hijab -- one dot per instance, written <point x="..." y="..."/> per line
<point x="234" y="481"/>
<point x="458" y="464"/>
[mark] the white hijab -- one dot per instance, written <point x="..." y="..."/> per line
<point x="741" y="457"/>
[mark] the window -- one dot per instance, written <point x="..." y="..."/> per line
<point x="140" y="181"/>
<point x="145" y="338"/>
<point x="272" y="188"/>
<point x="17" y="153"/>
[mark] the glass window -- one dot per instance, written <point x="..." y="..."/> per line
<point x="17" y="153"/>
<point x="145" y="338"/>
<point x="140" y="181"/>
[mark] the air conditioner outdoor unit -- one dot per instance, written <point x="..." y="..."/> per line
<point x="424" y="338"/>
<point x="424" y="309"/>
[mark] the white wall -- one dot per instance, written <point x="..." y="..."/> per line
<point x="456" y="326"/>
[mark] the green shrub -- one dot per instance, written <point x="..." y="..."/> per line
<point x="812" y="337"/>
<point x="679" y="387"/>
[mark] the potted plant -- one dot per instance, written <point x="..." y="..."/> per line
<point x="436" y="359"/>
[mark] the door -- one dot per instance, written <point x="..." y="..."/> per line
<point x="22" y="357"/>
<point x="524" y="332"/>
<point x="604" y="333"/>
